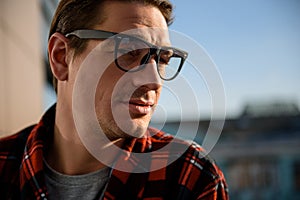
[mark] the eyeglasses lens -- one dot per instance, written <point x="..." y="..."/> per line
<point x="132" y="54"/>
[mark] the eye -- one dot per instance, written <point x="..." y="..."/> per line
<point x="165" y="56"/>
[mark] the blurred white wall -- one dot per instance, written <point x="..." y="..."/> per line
<point x="21" y="69"/>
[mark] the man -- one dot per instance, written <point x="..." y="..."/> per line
<point x="55" y="159"/>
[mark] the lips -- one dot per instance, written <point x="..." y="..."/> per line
<point x="139" y="103"/>
<point x="140" y="107"/>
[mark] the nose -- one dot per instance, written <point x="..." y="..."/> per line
<point x="148" y="76"/>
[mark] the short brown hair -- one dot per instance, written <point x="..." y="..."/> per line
<point x="71" y="15"/>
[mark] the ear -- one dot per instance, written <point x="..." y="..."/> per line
<point x="58" y="51"/>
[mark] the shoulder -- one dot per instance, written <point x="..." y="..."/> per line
<point x="201" y="175"/>
<point x="11" y="153"/>
<point x="187" y="151"/>
<point x="199" y="159"/>
<point x="197" y="173"/>
<point x="12" y="147"/>
<point x="8" y="142"/>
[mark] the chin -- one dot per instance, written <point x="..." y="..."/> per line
<point x="124" y="124"/>
<point x="134" y="128"/>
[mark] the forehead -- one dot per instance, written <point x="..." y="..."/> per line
<point x="135" y="18"/>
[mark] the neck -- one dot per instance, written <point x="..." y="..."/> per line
<point x="69" y="157"/>
<point x="66" y="153"/>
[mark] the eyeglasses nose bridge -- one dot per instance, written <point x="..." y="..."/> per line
<point x="152" y="51"/>
<point x="155" y="52"/>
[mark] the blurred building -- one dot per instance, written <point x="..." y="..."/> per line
<point x="24" y="68"/>
<point x="259" y="151"/>
<point x="21" y="68"/>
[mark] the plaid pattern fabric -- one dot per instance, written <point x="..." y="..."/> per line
<point x="190" y="176"/>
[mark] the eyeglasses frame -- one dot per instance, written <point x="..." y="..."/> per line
<point x="101" y="34"/>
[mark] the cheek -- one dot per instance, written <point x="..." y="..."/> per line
<point x="103" y="96"/>
<point x="106" y="86"/>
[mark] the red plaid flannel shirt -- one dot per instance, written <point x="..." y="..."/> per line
<point x="191" y="176"/>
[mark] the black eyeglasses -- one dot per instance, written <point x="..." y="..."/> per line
<point x="132" y="53"/>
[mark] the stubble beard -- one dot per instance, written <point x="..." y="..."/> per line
<point x="113" y="132"/>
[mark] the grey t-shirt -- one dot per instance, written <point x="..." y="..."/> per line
<point x="88" y="186"/>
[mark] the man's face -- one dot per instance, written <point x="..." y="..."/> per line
<point x="124" y="102"/>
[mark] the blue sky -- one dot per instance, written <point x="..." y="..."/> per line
<point x="255" y="45"/>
